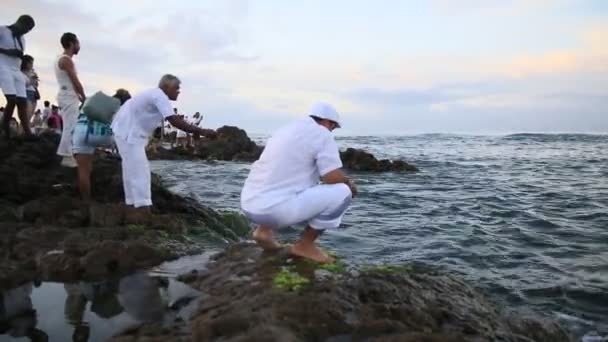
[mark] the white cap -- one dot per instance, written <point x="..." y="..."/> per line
<point x="323" y="110"/>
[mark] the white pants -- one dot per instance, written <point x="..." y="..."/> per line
<point x="69" y="113"/>
<point x="321" y="207"/>
<point x="136" y="177"/>
<point x="12" y="82"/>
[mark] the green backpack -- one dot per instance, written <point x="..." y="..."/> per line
<point x="101" y="107"/>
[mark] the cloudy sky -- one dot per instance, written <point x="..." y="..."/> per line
<point x="390" y="67"/>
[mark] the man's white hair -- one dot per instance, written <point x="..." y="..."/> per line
<point x="168" y="80"/>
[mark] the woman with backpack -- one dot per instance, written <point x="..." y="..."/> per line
<point x="89" y="135"/>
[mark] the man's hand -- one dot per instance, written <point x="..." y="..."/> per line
<point x="353" y="187"/>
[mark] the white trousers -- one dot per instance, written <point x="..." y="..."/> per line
<point x="321" y="207"/>
<point x="136" y="177"/>
<point x="70" y="110"/>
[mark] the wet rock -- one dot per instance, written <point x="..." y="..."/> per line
<point x="233" y="144"/>
<point x="145" y="255"/>
<point x="359" y="160"/>
<point x="535" y="328"/>
<point x="230" y="142"/>
<point x="41" y="212"/>
<point x="106" y="258"/>
<point x="377" y="304"/>
<point x="59" y="266"/>
<point x="74" y="245"/>
<point x="106" y="214"/>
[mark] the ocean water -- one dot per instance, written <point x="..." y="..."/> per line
<point x="523" y="217"/>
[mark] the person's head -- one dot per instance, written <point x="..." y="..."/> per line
<point x="325" y="115"/>
<point x="122" y="95"/>
<point x="170" y="85"/>
<point x="54" y="109"/>
<point x="47" y="104"/>
<point x="70" y="43"/>
<point x="27" y="63"/>
<point x="175" y="110"/>
<point x="24" y="24"/>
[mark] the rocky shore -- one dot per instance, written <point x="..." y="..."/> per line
<point x="233" y="144"/>
<point x="254" y="296"/>
<point x="46" y="234"/>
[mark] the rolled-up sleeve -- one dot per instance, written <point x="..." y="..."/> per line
<point x="163" y="105"/>
<point x="328" y="156"/>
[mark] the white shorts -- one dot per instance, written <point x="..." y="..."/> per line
<point x="12" y="82"/>
<point x="321" y="207"/>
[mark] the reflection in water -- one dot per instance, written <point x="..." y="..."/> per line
<point x="17" y="315"/>
<point x="91" y="311"/>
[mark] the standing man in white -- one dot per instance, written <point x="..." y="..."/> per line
<point x="283" y="186"/>
<point x="70" y="95"/>
<point x="12" y="81"/>
<point x="133" y="126"/>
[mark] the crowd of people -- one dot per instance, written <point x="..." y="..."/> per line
<point x="47" y="119"/>
<point x="298" y="177"/>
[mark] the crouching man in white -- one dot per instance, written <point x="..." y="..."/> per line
<point x="133" y="125"/>
<point x="283" y="186"/>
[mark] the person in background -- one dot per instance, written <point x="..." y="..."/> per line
<point x="37" y="122"/>
<point x="133" y="125"/>
<point x="31" y="84"/>
<point x="283" y="188"/>
<point x="197" y="120"/>
<point x="46" y="112"/>
<point x="54" y="121"/>
<point x="70" y="95"/>
<point x="12" y="82"/>
<point x="89" y="135"/>
<point x="181" y="137"/>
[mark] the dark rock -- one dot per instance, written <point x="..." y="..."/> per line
<point x="233" y="144"/>
<point x="106" y="214"/>
<point x="400" y="165"/>
<point x="59" y="266"/>
<point x="359" y="160"/>
<point x="383" y="304"/>
<point x="106" y="258"/>
<point x="230" y="142"/>
<point x="44" y="223"/>
<point x="145" y="255"/>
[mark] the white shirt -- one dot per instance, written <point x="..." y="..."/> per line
<point x="8" y="41"/>
<point x="294" y="159"/>
<point x="140" y="116"/>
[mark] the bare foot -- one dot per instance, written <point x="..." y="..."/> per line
<point x="264" y="237"/>
<point x="312" y="252"/>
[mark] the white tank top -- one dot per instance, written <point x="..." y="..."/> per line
<point x="66" y="88"/>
